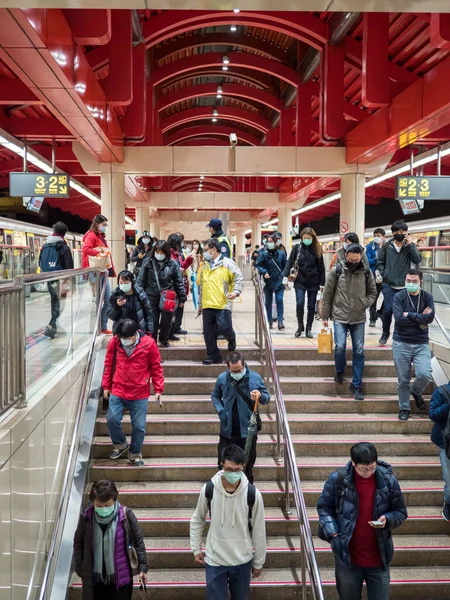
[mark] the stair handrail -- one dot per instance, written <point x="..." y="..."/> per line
<point x="307" y="551"/>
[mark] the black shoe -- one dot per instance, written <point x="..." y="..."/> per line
<point x="274" y="319"/>
<point x="383" y="339"/>
<point x="281" y="327"/>
<point x="339" y="378"/>
<point x="181" y="332"/>
<point x="299" y="331"/>
<point x="309" y="334"/>
<point x="372" y="324"/>
<point x="164" y="344"/>
<point x="137" y="462"/>
<point x="118" y="452"/>
<point x="50" y="331"/>
<point x="270" y="324"/>
<point x="446" y="511"/>
<point x="209" y="361"/>
<point x="380" y="314"/>
<point x="419" y="401"/>
<point x="220" y="337"/>
<point x="232" y="346"/>
<point x="403" y="415"/>
<point x="174" y="338"/>
<point x="357" y="393"/>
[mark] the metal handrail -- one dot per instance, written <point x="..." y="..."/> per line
<point x="56" y="275"/>
<point x="307" y="552"/>
<point x="73" y="449"/>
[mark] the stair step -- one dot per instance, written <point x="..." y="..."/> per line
<point x="407" y="583"/>
<point x="175" y="471"/>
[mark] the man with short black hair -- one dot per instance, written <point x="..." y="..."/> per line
<point x="234" y="397"/>
<point x="394" y="260"/>
<point x="372" y="251"/>
<point x="349" y="291"/>
<point x="359" y="507"/>
<point x="217" y="233"/>
<point x="55" y="255"/>
<point x="236" y="542"/>
<point x="413" y="312"/>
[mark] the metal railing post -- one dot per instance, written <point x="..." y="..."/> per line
<point x="288" y="510"/>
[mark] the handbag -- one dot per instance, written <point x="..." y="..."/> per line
<point x="131" y="550"/>
<point x="168" y="298"/>
<point x="101" y="262"/>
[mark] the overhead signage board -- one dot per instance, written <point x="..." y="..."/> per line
<point x="425" y="188"/>
<point x="40" y="185"/>
<point x="409" y="207"/>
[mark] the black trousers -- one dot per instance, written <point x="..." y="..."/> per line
<point x="53" y="290"/>
<point x="373" y="308"/>
<point x="176" y="326"/>
<point x="215" y="323"/>
<point x="110" y="592"/>
<point x="238" y="441"/>
<point x="162" y="323"/>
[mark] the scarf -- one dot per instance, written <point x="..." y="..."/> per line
<point x="103" y="546"/>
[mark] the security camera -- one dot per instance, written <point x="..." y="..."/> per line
<point x="233" y="139"/>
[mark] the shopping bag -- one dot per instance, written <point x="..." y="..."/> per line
<point x="325" y="341"/>
<point x="101" y="262"/>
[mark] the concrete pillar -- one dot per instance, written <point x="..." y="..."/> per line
<point x="240" y="247"/>
<point x="142" y="219"/>
<point x="225" y="218"/>
<point x="285" y="226"/>
<point x="113" y="208"/>
<point x="353" y="204"/>
<point x="155" y="228"/>
<point x="256" y="233"/>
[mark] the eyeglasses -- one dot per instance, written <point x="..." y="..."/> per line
<point x="367" y="468"/>
<point x="233" y="470"/>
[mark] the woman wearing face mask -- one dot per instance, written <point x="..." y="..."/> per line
<point x="199" y="261"/>
<point x="160" y="272"/>
<point x="270" y="264"/>
<point x="131" y="302"/>
<point x="95" y="244"/>
<point x="105" y="536"/>
<point x="306" y="269"/>
<point x="141" y="251"/>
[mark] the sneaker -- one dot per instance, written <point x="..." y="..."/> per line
<point x="232" y="346"/>
<point x="50" y="331"/>
<point x="118" y="452"/>
<point x="174" y="338"/>
<point x="309" y="334"/>
<point x="299" y="331"/>
<point x="446" y="511"/>
<point x="372" y="324"/>
<point x="106" y="331"/>
<point x="420" y="403"/>
<point x="164" y="344"/>
<point x="181" y="332"/>
<point x="209" y="361"/>
<point x="403" y="415"/>
<point x="356" y="392"/>
<point x="281" y="327"/>
<point x="383" y="339"/>
<point x="339" y="378"/>
<point x="137" y="462"/>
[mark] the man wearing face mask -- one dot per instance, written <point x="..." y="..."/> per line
<point x="234" y="397"/>
<point x="413" y="312"/>
<point x="349" y="291"/>
<point x="372" y="251"/>
<point x="131" y="302"/>
<point x="394" y="261"/>
<point x="132" y="362"/>
<point x="236" y="542"/>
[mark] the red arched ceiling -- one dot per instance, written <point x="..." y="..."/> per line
<point x="201" y="131"/>
<point x="193" y="182"/>
<point x="223" y="112"/>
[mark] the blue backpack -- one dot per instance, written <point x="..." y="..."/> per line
<point x="49" y="258"/>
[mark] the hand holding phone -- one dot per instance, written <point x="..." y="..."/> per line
<point x="379" y="524"/>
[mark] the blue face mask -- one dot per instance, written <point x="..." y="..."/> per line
<point x="105" y="511"/>
<point x="378" y="240"/>
<point x="160" y="257"/>
<point x="232" y="478"/>
<point x="103" y="228"/>
<point x="412" y="288"/>
<point x="345" y="245"/>
<point x="125" y="287"/>
<point x="237" y="376"/>
<point x="270" y="245"/>
<point x="307" y="241"/>
<point x="207" y="256"/>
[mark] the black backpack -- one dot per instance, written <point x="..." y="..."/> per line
<point x="251" y="495"/>
<point x="446" y="431"/>
<point x="340" y="490"/>
<point x="49" y="259"/>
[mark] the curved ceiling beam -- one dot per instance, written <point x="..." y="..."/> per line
<point x="260" y="80"/>
<point x="215" y="59"/>
<point x="207" y="180"/>
<point x="228" y="90"/>
<point x="299" y="25"/>
<point x="192" y="42"/>
<point x="228" y="180"/>
<point x="210" y="187"/>
<point x="209" y="130"/>
<point x="204" y="141"/>
<point x="224" y="112"/>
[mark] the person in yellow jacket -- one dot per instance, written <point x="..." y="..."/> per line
<point x="220" y="281"/>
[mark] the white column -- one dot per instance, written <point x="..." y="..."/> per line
<point x="155" y="228"/>
<point x="240" y="247"/>
<point x="225" y="218"/>
<point x="142" y="219"/>
<point x="285" y="226"/>
<point x="256" y="233"/>
<point x="353" y="204"/>
<point x="113" y="208"/>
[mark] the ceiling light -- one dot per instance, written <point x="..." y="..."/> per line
<point x="202" y="177"/>
<point x="233" y="28"/>
<point x="224" y="68"/>
<point x="214" y="120"/>
<point x="236" y="10"/>
<point x="195" y="210"/>
<point x="226" y="60"/>
<point x="215" y="112"/>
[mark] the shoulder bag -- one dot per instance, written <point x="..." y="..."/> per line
<point x="168" y="298"/>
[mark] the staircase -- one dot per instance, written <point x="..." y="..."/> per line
<point x="180" y="448"/>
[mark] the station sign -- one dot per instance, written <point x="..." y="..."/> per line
<point x="410" y="207"/>
<point x="41" y="185"/>
<point x="425" y="188"/>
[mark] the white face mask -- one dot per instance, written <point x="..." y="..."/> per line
<point x="146" y="240"/>
<point x="128" y="342"/>
<point x="196" y="246"/>
<point x="207" y="256"/>
<point x="160" y="257"/>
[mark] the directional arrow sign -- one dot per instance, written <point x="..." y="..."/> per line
<point x="425" y="188"/>
<point x="39" y="185"/>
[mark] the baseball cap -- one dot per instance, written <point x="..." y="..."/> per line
<point x="216" y="224"/>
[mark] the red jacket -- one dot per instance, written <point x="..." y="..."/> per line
<point x="92" y="240"/>
<point x="131" y="377"/>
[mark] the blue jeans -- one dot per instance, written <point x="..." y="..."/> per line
<point x="219" y="578"/>
<point x="279" y="299"/>
<point x="445" y="464"/>
<point x="349" y="582"/>
<point x="406" y="355"/>
<point x="340" y="347"/>
<point x="138" y="414"/>
<point x="388" y="310"/>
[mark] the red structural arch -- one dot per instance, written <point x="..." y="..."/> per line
<point x="228" y="90"/>
<point x="224" y="112"/>
<point x="203" y="130"/>
<point x="228" y="180"/>
<point x="204" y="141"/>
<point x="299" y="25"/>
<point x="194" y="181"/>
<point x="245" y="76"/>
<point x="215" y="59"/>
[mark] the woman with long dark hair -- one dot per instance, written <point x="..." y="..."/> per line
<point x="305" y="267"/>
<point x="96" y="246"/>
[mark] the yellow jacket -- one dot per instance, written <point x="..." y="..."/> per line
<point x="218" y="280"/>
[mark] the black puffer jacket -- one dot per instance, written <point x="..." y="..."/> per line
<point x="388" y="502"/>
<point x="394" y="265"/>
<point x="169" y="275"/>
<point x="140" y="249"/>
<point x="311" y="268"/>
<point x="143" y="315"/>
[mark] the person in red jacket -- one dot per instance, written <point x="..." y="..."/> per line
<point x="132" y="361"/>
<point x="93" y="241"/>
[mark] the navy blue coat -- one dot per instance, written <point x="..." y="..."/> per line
<point x="408" y="329"/>
<point x="272" y="262"/>
<point x="225" y="395"/>
<point x="439" y="409"/>
<point x="388" y="502"/>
